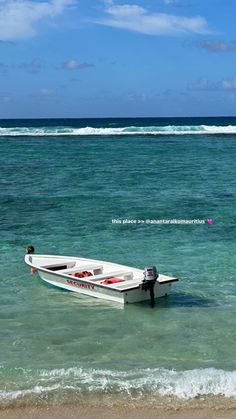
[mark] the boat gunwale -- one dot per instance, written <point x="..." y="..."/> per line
<point x="84" y="280"/>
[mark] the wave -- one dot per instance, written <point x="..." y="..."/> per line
<point x="185" y="385"/>
<point x="131" y="130"/>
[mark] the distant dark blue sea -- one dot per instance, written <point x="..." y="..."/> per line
<point x="98" y="188"/>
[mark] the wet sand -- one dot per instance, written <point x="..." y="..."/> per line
<point x="115" y="412"/>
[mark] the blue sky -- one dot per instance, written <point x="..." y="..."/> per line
<point x="108" y="58"/>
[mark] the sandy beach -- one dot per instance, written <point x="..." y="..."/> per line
<point x="69" y="412"/>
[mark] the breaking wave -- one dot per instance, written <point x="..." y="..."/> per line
<point x="185" y="385"/>
<point x="131" y="130"/>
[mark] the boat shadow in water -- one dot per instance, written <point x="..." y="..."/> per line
<point x="173" y="300"/>
<point x="184" y="300"/>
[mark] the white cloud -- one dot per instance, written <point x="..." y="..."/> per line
<point x="229" y="84"/>
<point x="178" y="3"/>
<point x="3" y="68"/>
<point x="138" y="19"/>
<point x="205" y="84"/>
<point x="71" y="64"/>
<point x="200" y="84"/>
<point x="5" y="99"/>
<point x="75" y="65"/>
<point x="47" y="92"/>
<point x="216" y="45"/>
<point x="34" y="66"/>
<point x="19" y="18"/>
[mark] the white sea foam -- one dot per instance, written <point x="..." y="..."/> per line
<point x="17" y="394"/>
<point x="183" y="385"/>
<point x="131" y="130"/>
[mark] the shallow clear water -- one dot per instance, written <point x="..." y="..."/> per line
<point x="61" y="193"/>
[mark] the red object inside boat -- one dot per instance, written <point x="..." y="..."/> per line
<point x="112" y="281"/>
<point x="81" y="274"/>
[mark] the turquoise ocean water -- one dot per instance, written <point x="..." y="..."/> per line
<point x="62" y="184"/>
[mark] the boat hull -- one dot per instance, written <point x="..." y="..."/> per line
<point x="131" y="296"/>
<point x="57" y="270"/>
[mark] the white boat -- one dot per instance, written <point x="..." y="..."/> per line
<point x="96" y="278"/>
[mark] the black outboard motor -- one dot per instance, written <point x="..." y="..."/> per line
<point x="150" y="277"/>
